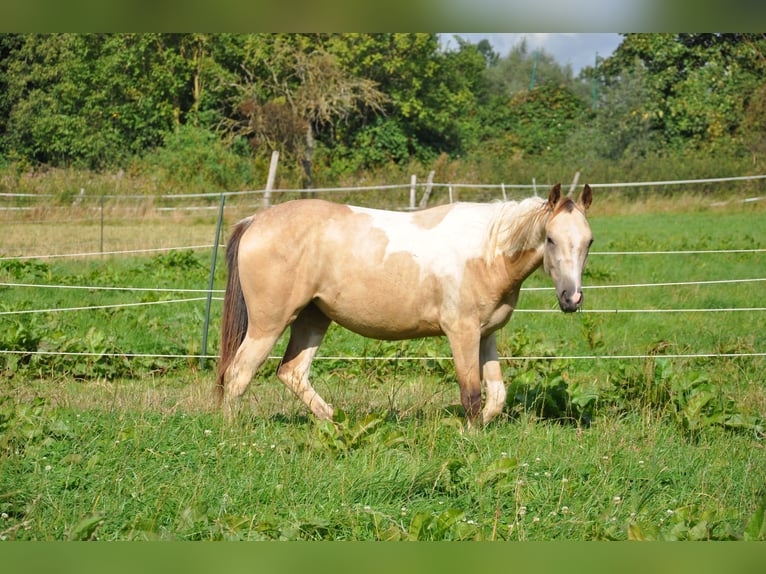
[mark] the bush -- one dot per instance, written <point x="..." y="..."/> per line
<point x="193" y="159"/>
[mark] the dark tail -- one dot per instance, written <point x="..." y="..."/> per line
<point x="234" y="318"/>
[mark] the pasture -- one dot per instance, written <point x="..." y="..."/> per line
<point x="641" y="417"/>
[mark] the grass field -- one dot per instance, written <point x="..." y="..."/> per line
<point x="97" y="443"/>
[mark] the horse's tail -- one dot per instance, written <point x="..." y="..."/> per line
<point x="234" y="318"/>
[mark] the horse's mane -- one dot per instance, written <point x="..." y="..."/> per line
<point x="517" y="226"/>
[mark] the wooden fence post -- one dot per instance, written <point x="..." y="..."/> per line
<point x="429" y="186"/>
<point x="270" y="180"/>
<point x="574" y="182"/>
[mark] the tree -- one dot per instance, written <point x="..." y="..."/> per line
<point x="9" y="45"/>
<point x="94" y="99"/>
<point x="623" y="124"/>
<point x="533" y="122"/>
<point x="522" y="70"/>
<point x="432" y="95"/>
<point x="484" y="47"/>
<point x="303" y="90"/>
<point x="698" y="84"/>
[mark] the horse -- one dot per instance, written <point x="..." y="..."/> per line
<point x="453" y="270"/>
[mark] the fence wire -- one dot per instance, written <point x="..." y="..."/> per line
<point x="82" y="198"/>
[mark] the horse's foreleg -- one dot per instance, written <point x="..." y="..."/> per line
<point x="494" y="388"/>
<point x="251" y="354"/>
<point x="306" y="334"/>
<point x="465" y="352"/>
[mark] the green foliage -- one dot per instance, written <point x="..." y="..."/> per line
<point x="697" y="403"/>
<point x="92" y="99"/>
<point x="544" y="387"/>
<point x="341" y="435"/>
<point x="755" y="530"/>
<point x="379" y="144"/>
<point x="190" y="109"/>
<point x="195" y="158"/>
<point x="25" y="269"/>
<point x="29" y="428"/>
<point x="622" y="126"/>
<point x="83" y="347"/>
<point x="521" y="71"/>
<point x="696" y="86"/>
<point x="687" y="523"/>
<point x="540" y="120"/>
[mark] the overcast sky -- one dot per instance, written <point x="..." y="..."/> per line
<point x="576" y="49"/>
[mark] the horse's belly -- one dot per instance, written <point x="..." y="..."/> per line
<point x="383" y="297"/>
<point x="382" y="319"/>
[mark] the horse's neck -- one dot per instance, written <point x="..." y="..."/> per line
<point x="518" y="227"/>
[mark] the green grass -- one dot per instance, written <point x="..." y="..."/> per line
<point x="111" y="447"/>
<point x="142" y="474"/>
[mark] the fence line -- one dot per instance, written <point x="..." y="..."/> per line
<point x="107" y="288"/>
<point x="587" y="311"/>
<point x="210" y="246"/>
<point x="499" y="186"/>
<point x="92" y="307"/>
<point x="100" y="253"/>
<point x="617" y="311"/>
<point x="376" y="358"/>
<point x="667" y="284"/>
<point x="411" y="185"/>
<point x="206" y="291"/>
<point x="681" y="252"/>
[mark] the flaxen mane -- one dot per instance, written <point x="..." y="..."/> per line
<point x="513" y="226"/>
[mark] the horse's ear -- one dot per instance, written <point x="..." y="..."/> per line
<point x="555" y="194"/>
<point x="586" y="197"/>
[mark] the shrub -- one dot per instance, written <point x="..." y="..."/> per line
<point x="196" y="160"/>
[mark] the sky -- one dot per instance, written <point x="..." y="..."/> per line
<point x="577" y="49"/>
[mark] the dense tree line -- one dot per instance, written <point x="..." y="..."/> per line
<point x="357" y="101"/>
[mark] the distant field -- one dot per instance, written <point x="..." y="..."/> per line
<point x="647" y="425"/>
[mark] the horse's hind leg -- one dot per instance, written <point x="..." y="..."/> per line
<point x="306" y="334"/>
<point x="252" y="353"/>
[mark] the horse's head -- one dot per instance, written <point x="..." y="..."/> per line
<point x="567" y="240"/>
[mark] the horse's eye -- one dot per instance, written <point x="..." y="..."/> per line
<point x="550" y="241"/>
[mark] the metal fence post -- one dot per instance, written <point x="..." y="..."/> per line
<point x="216" y="243"/>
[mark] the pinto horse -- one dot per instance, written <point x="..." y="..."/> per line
<point x="453" y="270"/>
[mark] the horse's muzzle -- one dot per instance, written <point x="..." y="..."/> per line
<point x="570" y="303"/>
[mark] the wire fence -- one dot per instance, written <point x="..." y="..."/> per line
<point x="47" y="214"/>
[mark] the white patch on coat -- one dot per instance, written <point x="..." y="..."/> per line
<point x="442" y="250"/>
